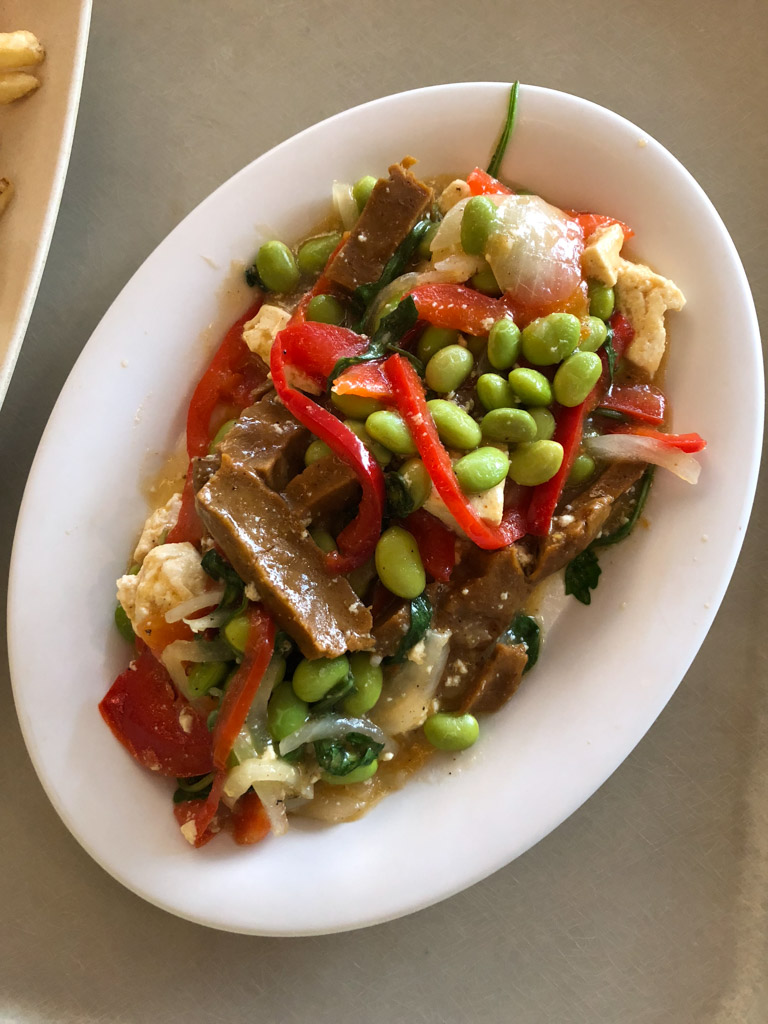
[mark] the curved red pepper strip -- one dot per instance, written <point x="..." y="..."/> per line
<point x="408" y="396"/>
<point x="568" y="431"/>
<point x="357" y="541"/>
<point x="640" y="401"/>
<point x="590" y="222"/>
<point x="458" y="308"/>
<point x="242" y="688"/>
<point x="690" y="443"/>
<point x="437" y="544"/>
<point x="202" y="812"/>
<point x="481" y="183"/>
<point x="188" y="526"/>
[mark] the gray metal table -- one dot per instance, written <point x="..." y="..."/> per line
<point x="649" y="904"/>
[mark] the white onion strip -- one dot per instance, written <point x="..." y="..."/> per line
<point x="272" y="796"/>
<point x="260" y="769"/>
<point x="331" y="727"/>
<point x="180" y="651"/>
<point x="195" y="604"/>
<point x="344" y="204"/>
<point x="637" y="448"/>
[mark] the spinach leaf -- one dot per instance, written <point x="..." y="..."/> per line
<point x="610" y="351"/>
<point x="253" y="279"/>
<point x="498" y="155"/>
<point x="624" y="531"/>
<point x="335" y="694"/>
<point x="218" y="569"/>
<point x="389" y="332"/>
<point x="524" y="630"/>
<point x="398" y="261"/>
<point x="421" y="616"/>
<point x="340" y="757"/>
<point x="195" y="788"/>
<point x="399" y="500"/>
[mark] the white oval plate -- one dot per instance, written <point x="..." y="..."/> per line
<point x="37" y="137"/>
<point x="607" y="671"/>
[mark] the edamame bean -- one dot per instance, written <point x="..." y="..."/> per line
<point x="123" y="623"/>
<point x="582" y="469"/>
<point x="423" y="251"/>
<point x="455" y="427"/>
<point x="598" y="332"/>
<point x="510" y="425"/>
<point x="361" y="774"/>
<point x="484" y="281"/>
<point x="504" y="344"/>
<point x="398" y="563"/>
<point x="220" y="434"/>
<point x="475" y="344"/>
<point x="576" y="377"/>
<point x="368" y="682"/>
<point x="494" y="392"/>
<point x="601" y="299"/>
<point x="389" y="307"/>
<point x="451" y="732"/>
<point x="361" y="190"/>
<point x="433" y="339"/>
<point x="389" y="429"/>
<point x="545" y="423"/>
<point x="316" y="450"/>
<point x="481" y="469"/>
<point x="205" y="674"/>
<point x="325" y="309"/>
<point x="382" y="455"/>
<point x="323" y="539"/>
<point x="285" y="712"/>
<point x="315" y="252"/>
<point x="236" y="633"/>
<point x="477" y="223"/>
<point x="448" y="369"/>
<point x="417" y="480"/>
<point x="535" y="463"/>
<point x="551" y="338"/>
<point x="313" y="679"/>
<point x="277" y="267"/>
<point x="530" y="386"/>
<point x="355" y="406"/>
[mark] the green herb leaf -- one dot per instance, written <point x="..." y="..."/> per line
<point x="335" y="694"/>
<point x="421" y="616"/>
<point x="399" y="500"/>
<point x="624" y="531"/>
<point x="582" y="575"/>
<point x="340" y="757"/>
<point x="402" y="256"/>
<point x="195" y="788"/>
<point x="494" y="167"/>
<point x="218" y="569"/>
<point x="524" y="630"/>
<point x="391" y="329"/>
<point x="252" y="278"/>
<point x="610" y="351"/>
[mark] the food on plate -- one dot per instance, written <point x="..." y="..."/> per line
<point x="19" y="49"/>
<point x="401" y="460"/>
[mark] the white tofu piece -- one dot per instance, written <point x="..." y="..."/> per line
<point x="489" y="505"/>
<point x="260" y="332"/>
<point x="601" y="258"/>
<point x="454" y="269"/>
<point x="169" y="575"/>
<point x="452" y="194"/>
<point x="158" y="523"/>
<point x="644" y="297"/>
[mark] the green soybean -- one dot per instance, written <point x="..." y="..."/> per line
<point x="236" y="633"/>
<point x="361" y="774"/>
<point x="423" y="251"/>
<point x="368" y="683"/>
<point x="417" y="480"/>
<point x="530" y="386"/>
<point x="601" y="299"/>
<point x="477" y="222"/>
<point x="361" y="190"/>
<point x="313" y="679"/>
<point x="582" y="469"/>
<point x="536" y="462"/>
<point x="451" y="732"/>
<point x="316" y="450"/>
<point x="323" y="539"/>
<point x="433" y="339"/>
<point x="220" y="434"/>
<point x="448" y="369"/>
<point x="504" y="344"/>
<point x="325" y="309"/>
<point x="205" y="674"/>
<point x="398" y="563"/>
<point x="285" y="712"/>
<point x="277" y="268"/>
<point x="455" y="427"/>
<point x="484" y="281"/>
<point x="545" y="423"/>
<point x="382" y="455"/>
<point x="389" y="429"/>
<point x="355" y="406"/>
<point x="510" y="425"/>
<point x="123" y="623"/>
<point x="481" y="469"/>
<point x="315" y="252"/>
<point x="576" y="377"/>
<point x="551" y="338"/>
<point x="494" y="391"/>
<point x="598" y="332"/>
<point x="476" y="344"/>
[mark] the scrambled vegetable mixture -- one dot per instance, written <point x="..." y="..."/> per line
<point x="428" y="412"/>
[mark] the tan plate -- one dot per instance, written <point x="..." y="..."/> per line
<point x="35" y="141"/>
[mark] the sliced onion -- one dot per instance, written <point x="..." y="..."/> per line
<point x="454" y="269"/>
<point x="395" y="289"/>
<point x="180" y="651"/>
<point x="272" y="796"/>
<point x="411" y="687"/>
<point x="447" y="240"/>
<point x="636" y="448"/>
<point x="536" y="252"/>
<point x="194" y="604"/>
<point x="334" y="727"/>
<point x="215" y="620"/>
<point x="344" y="204"/>
<point x="256" y="720"/>
<point x="262" y="769"/>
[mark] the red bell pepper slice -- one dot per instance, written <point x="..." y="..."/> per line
<point x="366" y="380"/>
<point x="242" y="688"/>
<point x="640" y="401"/>
<point x="145" y="713"/>
<point x="357" y="541"/>
<point x="408" y="394"/>
<point x="623" y="334"/>
<point x="458" y="308"/>
<point x="188" y="526"/>
<point x="203" y="813"/>
<point x="590" y="222"/>
<point x="481" y="183"/>
<point x="250" y="822"/>
<point x="314" y="348"/>
<point x="690" y="443"/>
<point x="568" y="430"/>
<point x="437" y="544"/>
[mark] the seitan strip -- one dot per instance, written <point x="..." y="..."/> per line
<point x="328" y="489"/>
<point x="268" y="441"/>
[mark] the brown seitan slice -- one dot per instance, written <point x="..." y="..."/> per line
<point x="272" y="550"/>
<point x="496" y="679"/>
<point x="203" y="468"/>
<point x="390" y="624"/>
<point x="582" y="519"/>
<point x="327" y="488"/>
<point x="268" y="441"/>
<point x="395" y="206"/>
